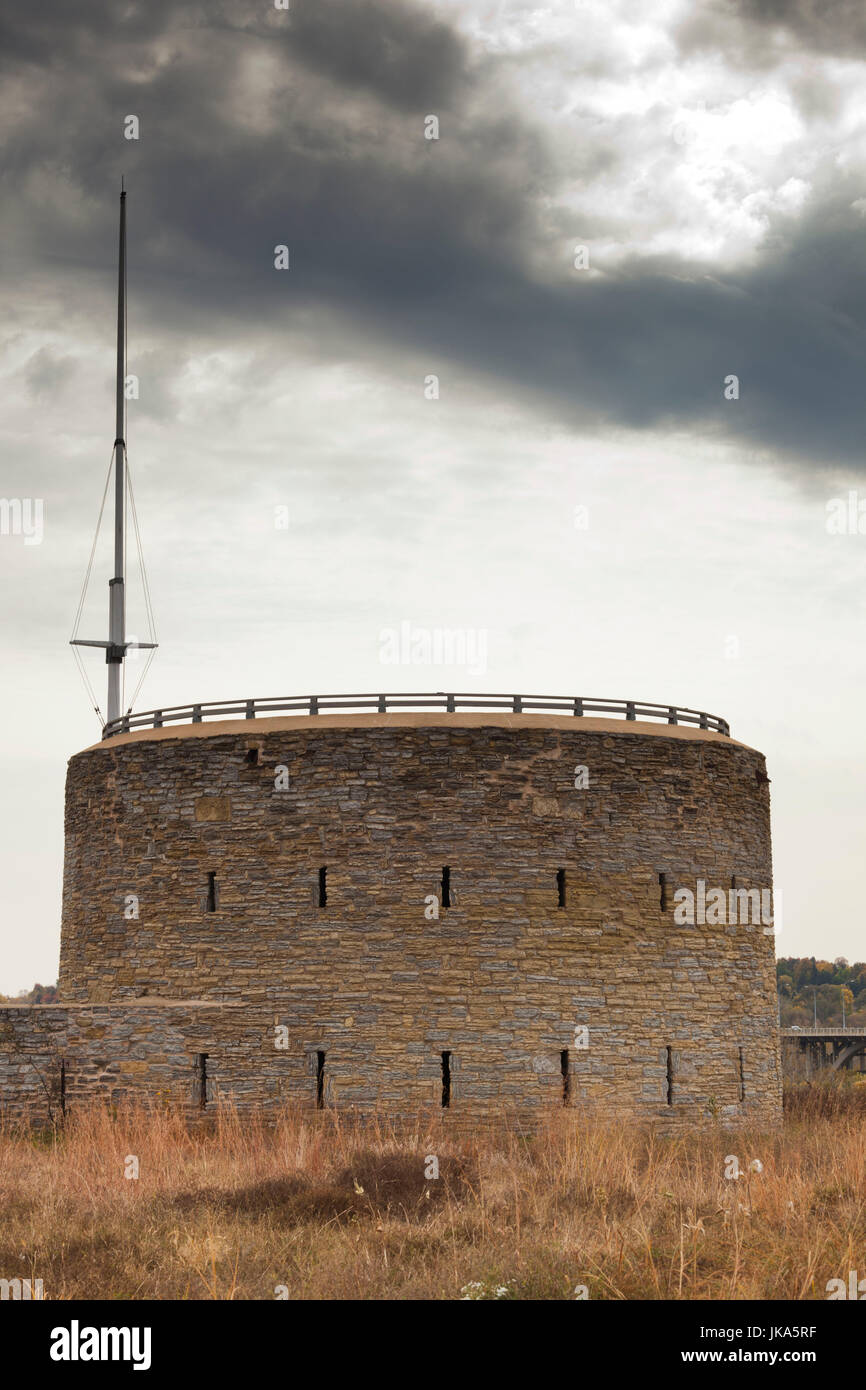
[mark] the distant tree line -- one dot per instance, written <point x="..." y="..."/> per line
<point x="810" y="988"/>
<point x="39" y="994"/>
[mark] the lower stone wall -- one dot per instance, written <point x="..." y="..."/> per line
<point x="56" y="1057"/>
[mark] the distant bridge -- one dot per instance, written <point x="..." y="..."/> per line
<point x="834" y="1047"/>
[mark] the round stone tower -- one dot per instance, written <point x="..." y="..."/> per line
<point x="487" y="911"/>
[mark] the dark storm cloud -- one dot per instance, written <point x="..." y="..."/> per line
<point x="759" y="32"/>
<point x="400" y="54"/>
<point x="831" y="26"/>
<point x="442" y="247"/>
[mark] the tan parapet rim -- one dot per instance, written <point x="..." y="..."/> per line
<point x="419" y="719"/>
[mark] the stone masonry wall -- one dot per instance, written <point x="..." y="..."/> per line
<point x="53" y="1058"/>
<point x="504" y="976"/>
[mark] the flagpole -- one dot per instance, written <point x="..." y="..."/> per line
<point x="116" y="649"/>
<point x="117" y="646"/>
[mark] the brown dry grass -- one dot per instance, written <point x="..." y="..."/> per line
<point x="333" y="1208"/>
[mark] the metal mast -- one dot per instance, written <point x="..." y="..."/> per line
<point x="117" y="646"/>
<point x="116" y="650"/>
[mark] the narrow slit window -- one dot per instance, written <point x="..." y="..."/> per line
<point x="211" y="904"/>
<point x="670" y="1076"/>
<point x="62" y="1096"/>
<point x="664" y="894"/>
<point x="742" y="1075"/>
<point x="446" y="1080"/>
<point x="560" y="887"/>
<point x="323" y="887"/>
<point x="320" y="1080"/>
<point x="253" y="757"/>
<point x="201" y="1079"/>
<point x="565" y="1072"/>
<point x="446" y="887"/>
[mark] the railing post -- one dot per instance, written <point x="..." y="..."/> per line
<point x="383" y="707"/>
<point x="314" y="704"/>
<point x="157" y="718"/>
<point x="578" y="706"/>
<point x="672" y="715"/>
<point x="629" y="710"/>
<point x="251" y="709"/>
<point x="703" y="722"/>
<point x="518" y="704"/>
<point x="449" y="704"/>
<point x="196" y="714"/>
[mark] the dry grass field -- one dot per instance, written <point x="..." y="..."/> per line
<point x="322" y="1207"/>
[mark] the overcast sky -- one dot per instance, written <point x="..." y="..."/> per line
<point x="581" y="492"/>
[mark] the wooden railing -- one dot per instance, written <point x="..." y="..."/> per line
<point x="384" y="704"/>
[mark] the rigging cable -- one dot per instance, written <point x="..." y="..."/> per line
<point x="75" y="652"/>
<point x="151" y="625"/>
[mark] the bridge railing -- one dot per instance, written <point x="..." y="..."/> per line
<point x="827" y="1030"/>
<point x="578" y="706"/>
